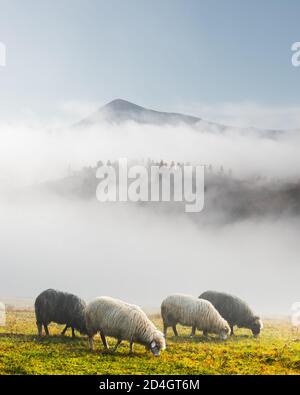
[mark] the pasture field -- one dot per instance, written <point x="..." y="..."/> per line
<point x="276" y="351"/>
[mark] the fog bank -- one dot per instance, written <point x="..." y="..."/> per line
<point x="93" y="250"/>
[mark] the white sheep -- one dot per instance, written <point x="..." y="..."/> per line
<point x="123" y="321"/>
<point x="190" y="311"/>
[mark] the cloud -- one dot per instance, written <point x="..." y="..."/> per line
<point x="31" y="151"/>
<point x="141" y="256"/>
<point x="247" y="114"/>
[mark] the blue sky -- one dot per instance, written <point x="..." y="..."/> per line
<point x="164" y="54"/>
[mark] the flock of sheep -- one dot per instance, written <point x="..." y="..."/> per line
<point x="213" y="312"/>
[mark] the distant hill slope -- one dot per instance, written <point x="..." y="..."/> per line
<point x="119" y="111"/>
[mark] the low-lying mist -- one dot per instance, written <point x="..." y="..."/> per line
<point x="131" y="252"/>
<point x="32" y="153"/>
<point x="92" y="250"/>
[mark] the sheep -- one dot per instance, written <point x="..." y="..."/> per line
<point x="123" y="321"/>
<point x="190" y="311"/>
<point x="62" y="308"/>
<point x="234" y="310"/>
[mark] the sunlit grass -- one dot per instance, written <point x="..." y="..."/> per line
<point x="276" y="351"/>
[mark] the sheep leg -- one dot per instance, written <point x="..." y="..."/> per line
<point x="205" y="333"/>
<point x="231" y="328"/>
<point x="64" y="331"/>
<point x="165" y="329"/>
<point x="103" y="338"/>
<point x="117" y="345"/>
<point x="175" y="330"/>
<point x="131" y="345"/>
<point x="40" y="328"/>
<point x="46" y="329"/>
<point x="193" y="331"/>
<point x="91" y="343"/>
<point x="73" y="333"/>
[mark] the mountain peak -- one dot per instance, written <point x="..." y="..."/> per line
<point x="122" y="105"/>
<point x="120" y="110"/>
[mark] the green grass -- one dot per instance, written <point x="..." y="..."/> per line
<point x="276" y="351"/>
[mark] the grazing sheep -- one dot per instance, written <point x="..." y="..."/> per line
<point x="190" y="311"/>
<point x="62" y="308"/>
<point x="234" y="310"/>
<point x="123" y="321"/>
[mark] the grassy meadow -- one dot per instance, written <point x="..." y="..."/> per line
<point x="276" y="351"/>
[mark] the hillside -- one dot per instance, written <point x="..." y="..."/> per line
<point x="119" y="111"/>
